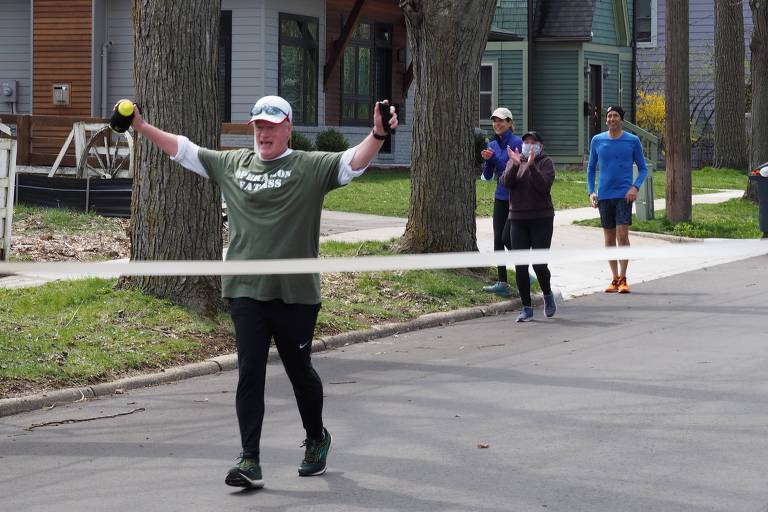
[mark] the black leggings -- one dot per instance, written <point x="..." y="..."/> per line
<point x="501" y="232"/>
<point x="292" y="327"/>
<point x="531" y="234"/>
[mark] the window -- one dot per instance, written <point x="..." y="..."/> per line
<point x="646" y="23"/>
<point x="297" y="66"/>
<point x="225" y="66"/>
<point x="487" y="96"/>
<point x="366" y="73"/>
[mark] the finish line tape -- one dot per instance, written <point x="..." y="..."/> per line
<point x="703" y="250"/>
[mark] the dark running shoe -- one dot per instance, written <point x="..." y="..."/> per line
<point x="247" y="473"/>
<point x="315" y="455"/>
<point x="550" y="306"/>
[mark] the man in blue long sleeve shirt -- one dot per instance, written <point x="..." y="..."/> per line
<point x="615" y="151"/>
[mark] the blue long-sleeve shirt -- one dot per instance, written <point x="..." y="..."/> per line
<point x="494" y="167"/>
<point x="615" y="158"/>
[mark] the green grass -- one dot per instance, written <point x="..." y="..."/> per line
<point x="736" y="218"/>
<point x="63" y="220"/>
<point x="76" y="332"/>
<point x="388" y="192"/>
<point x="358" y="301"/>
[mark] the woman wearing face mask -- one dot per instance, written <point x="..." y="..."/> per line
<point x="496" y="158"/>
<point x="529" y="176"/>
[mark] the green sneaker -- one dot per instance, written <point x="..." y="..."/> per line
<point x="315" y="455"/>
<point x="247" y="473"/>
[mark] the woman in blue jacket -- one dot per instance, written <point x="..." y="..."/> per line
<point x="496" y="158"/>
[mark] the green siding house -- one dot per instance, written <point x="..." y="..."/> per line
<point x="557" y="65"/>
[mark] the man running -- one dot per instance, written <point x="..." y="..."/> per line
<point x="615" y="151"/>
<point x="274" y="199"/>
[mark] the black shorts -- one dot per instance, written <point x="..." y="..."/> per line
<point x="614" y="212"/>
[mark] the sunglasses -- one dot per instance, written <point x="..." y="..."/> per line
<point x="267" y="109"/>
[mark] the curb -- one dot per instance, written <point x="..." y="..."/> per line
<point x="227" y="362"/>
<point x="669" y="238"/>
<point x="658" y="236"/>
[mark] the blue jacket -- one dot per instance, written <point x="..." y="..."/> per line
<point x="494" y="167"/>
<point x="615" y="157"/>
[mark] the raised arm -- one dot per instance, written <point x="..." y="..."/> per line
<point x="167" y="142"/>
<point x="178" y="147"/>
<point x="370" y="146"/>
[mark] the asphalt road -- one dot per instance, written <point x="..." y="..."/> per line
<point x="654" y="401"/>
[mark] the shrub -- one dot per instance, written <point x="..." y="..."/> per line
<point x="651" y="112"/>
<point x="331" y="140"/>
<point x="300" y="142"/>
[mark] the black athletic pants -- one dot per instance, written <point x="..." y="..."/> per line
<point x="531" y="234"/>
<point x="501" y="232"/>
<point x="292" y="327"/>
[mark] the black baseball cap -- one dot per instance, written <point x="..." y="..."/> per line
<point x="535" y="136"/>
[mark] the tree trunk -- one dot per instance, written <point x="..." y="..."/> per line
<point x="678" y="129"/>
<point x="446" y="41"/>
<point x="759" y="48"/>
<point x="730" y="133"/>
<point x="175" y="214"/>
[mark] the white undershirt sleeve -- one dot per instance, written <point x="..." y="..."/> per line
<point x="346" y="173"/>
<point x="187" y="156"/>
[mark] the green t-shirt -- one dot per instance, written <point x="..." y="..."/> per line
<point x="274" y="212"/>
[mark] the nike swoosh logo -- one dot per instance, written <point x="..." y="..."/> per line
<point x="304" y="344"/>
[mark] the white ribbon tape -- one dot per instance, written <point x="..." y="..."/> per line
<point x="704" y="250"/>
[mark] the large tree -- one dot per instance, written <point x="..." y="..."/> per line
<point x="446" y="40"/>
<point x="730" y="131"/>
<point x="758" y="46"/>
<point x="176" y="215"/>
<point x="678" y="127"/>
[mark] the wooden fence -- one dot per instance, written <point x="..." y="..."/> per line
<point x="7" y="182"/>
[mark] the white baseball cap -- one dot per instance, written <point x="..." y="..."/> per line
<point x="502" y="113"/>
<point x="273" y="109"/>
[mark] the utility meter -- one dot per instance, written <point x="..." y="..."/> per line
<point x="7" y="91"/>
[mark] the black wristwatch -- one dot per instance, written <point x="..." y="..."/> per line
<point x="377" y="136"/>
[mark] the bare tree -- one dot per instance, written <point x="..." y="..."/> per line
<point x="759" y="48"/>
<point x="730" y="134"/>
<point x="176" y="215"/>
<point x="678" y="127"/>
<point x="446" y="40"/>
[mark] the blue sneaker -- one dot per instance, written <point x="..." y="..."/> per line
<point x="550" y="307"/>
<point x="526" y="314"/>
<point x="315" y="455"/>
<point x="499" y="288"/>
<point x="247" y="473"/>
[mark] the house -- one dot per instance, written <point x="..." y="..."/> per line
<point x="330" y="58"/>
<point x="650" y="63"/>
<point x="558" y="64"/>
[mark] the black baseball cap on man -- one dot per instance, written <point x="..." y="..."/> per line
<point x="617" y="109"/>
<point x="535" y="136"/>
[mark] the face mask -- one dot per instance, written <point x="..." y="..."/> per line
<point x="527" y="149"/>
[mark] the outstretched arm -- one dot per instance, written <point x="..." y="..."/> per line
<point x="167" y="142"/>
<point x="178" y="147"/>
<point x="370" y="146"/>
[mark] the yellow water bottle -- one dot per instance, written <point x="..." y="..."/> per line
<point x="122" y="116"/>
